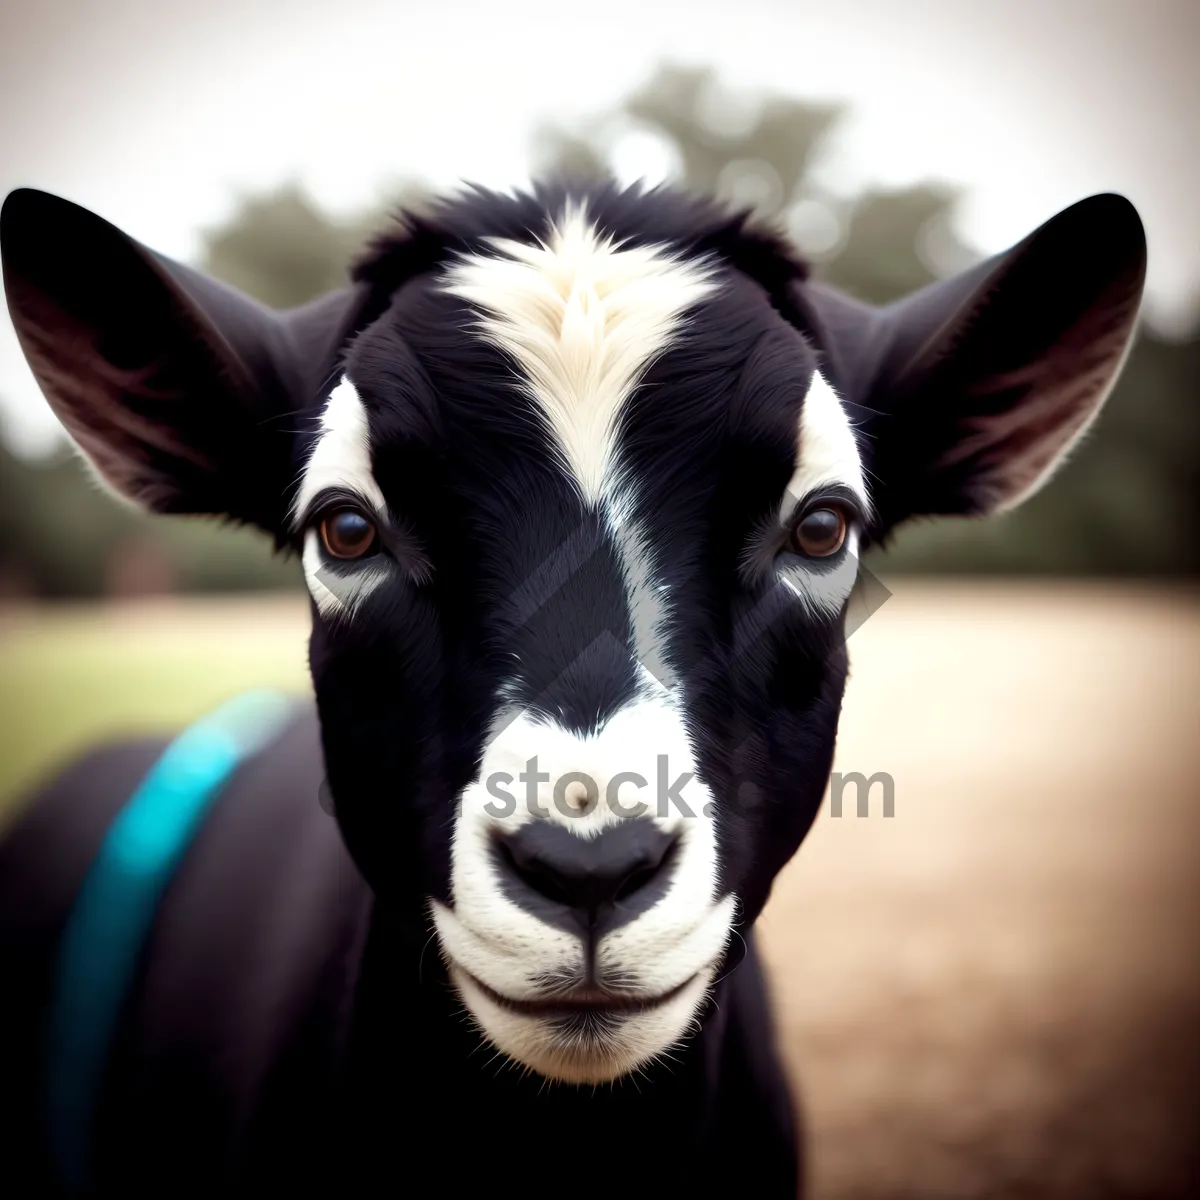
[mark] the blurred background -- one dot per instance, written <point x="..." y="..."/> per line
<point x="998" y="991"/>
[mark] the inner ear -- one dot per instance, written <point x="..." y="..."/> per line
<point x="168" y="381"/>
<point x="989" y="379"/>
<point x="122" y="387"/>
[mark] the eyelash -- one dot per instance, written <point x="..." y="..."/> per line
<point x="844" y="502"/>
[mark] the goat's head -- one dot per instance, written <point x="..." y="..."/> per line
<point x="579" y="482"/>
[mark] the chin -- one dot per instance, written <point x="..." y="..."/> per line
<point x="588" y="1037"/>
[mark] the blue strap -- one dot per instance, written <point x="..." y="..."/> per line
<point x="115" y="908"/>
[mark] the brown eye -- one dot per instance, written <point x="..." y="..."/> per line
<point x="819" y="533"/>
<point x="347" y="534"/>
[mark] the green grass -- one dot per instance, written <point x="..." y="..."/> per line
<point x="72" y="677"/>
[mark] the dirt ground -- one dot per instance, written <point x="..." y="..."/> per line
<point x="996" y="992"/>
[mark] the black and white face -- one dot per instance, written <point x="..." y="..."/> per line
<point x="580" y="523"/>
<point x="579" y="507"/>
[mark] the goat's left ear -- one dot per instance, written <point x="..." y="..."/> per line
<point x="176" y="388"/>
<point x="975" y="388"/>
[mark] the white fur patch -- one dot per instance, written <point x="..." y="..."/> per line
<point x="827" y="450"/>
<point x="824" y="593"/>
<point x="647" y="598"/>
<point x="487" y="936"/>
<point x="340" y="459"/>
<point x="827" y="455"/>
<point x="337" y="595"/>
<point x="582" y="318"/>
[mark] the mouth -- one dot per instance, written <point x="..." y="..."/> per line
<point x="580" y="1003"/>
<point x="585" y="1033"/>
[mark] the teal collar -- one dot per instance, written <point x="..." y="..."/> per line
<point x="114" y="911"/>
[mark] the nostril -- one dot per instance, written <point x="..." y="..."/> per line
<point x="654" y="866"/>
<point x="549" y="884"/>
<point x="635" y="881"/>
<point x="536" y="873"/>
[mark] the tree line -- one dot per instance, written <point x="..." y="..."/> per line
<point x="1125" y="505"/>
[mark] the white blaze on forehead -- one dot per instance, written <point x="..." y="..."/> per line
<point x="827" y="451"/>
<point x="582" y="318"/>
<point x="342" y="456"/>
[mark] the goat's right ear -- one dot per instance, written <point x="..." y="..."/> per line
<point x="971" y="391"/>
<point x="178" y="389"/>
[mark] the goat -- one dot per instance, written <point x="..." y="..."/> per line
<point x="579" y="479"/>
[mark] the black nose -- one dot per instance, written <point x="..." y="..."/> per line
<point x="601" y="881"/>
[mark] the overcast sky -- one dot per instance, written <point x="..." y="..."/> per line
<point x="156" y="113"/>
